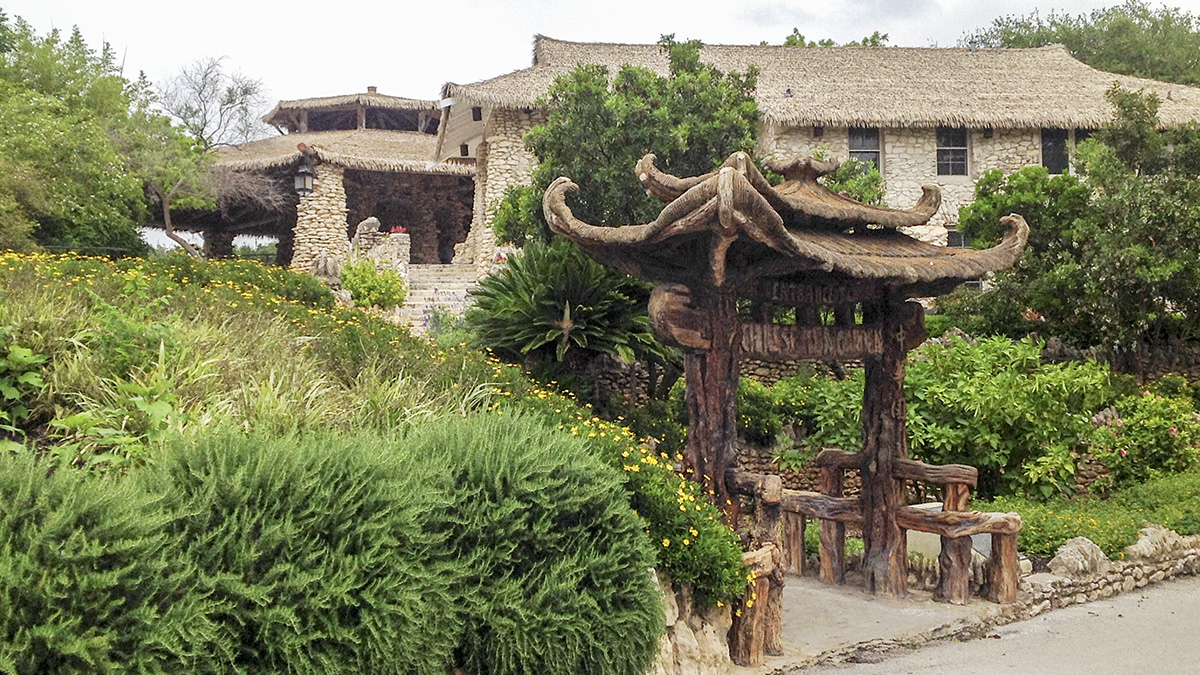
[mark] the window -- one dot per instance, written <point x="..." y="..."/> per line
<point x="864" y="145"/>
<point x="952" y="151"/>
<point x="1054" y="150"/>
<point x="1082" y="135"/>
<point x="464" y="150"/>
<point x="476" y="114"/>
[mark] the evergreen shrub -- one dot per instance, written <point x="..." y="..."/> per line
<point x="324" y="553"/>
<point x="558" y="565"/>
<point x="373" y="287"/>
<point x="84" y="579"/>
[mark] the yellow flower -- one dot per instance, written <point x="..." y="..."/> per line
<point x="666" y="543"/>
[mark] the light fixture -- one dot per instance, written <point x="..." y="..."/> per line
<point x="304" y="178"/>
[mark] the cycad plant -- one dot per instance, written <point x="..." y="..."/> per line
<point x="552" y="300"/>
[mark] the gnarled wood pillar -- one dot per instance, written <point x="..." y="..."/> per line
<point x="885" y="555"/>
<point x="712" y="380"/>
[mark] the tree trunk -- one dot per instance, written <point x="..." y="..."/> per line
<point x="712" y="379"/>
<point x="885" y="555"/>
<point x="165" y="198"/>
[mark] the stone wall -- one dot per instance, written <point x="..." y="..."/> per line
<point x="910" y="162"/>
<point x="321" y="220"/>
<point x="433" y="208"/>
<point x="696" y="642"/>
<point x="502" y="162"/>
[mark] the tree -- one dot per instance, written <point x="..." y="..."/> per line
<point x="599" y="124"/>
<point x="213" y="109"/>
<point x="1114" y="255"/>
<point x="65" y="111"/>
<point x="1131" y="39"/>
<point x="797" y="39"/>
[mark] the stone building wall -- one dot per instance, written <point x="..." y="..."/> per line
<point x="910" y="162"/>
<point x="321" y="220"/>
<point x="502" y="162"/>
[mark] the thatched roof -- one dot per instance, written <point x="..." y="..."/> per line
<point x="731" y="226"/>
<point x="280" y="113"/>
<point x="872" y="86"/>
<point x="367" y="149"/>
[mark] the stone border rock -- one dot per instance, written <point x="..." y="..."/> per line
<point x="1158" y="555"/>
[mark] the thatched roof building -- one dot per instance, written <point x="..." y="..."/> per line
<point x="871" y="86"/>
<point x="366" y="149"/>
<point x="370" y="110"/>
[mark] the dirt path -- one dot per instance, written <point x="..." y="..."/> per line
<point x="1150" y="631"/>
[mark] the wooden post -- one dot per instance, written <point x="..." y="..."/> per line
<point x="770" y="497"/>
<point x="712" y="380"/>
<point x="794" y="524"/>
<point x="833" y="533"/>
<point x="1004" y="569"/>
<point x="748" y="635"/>
<point x="885" y="555"/>
<point x="954" y="584"/>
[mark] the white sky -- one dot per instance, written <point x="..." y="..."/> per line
<point x="301" y="48"/>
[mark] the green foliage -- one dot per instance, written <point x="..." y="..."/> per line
<point x="1113" y="522"/>
<point x="1113" y="255"/>
<point x="797" y="39"/>
<point x="1132" y="38"/>
<point x="318" y="559"/>
<point x="553" y="301"/>
<point x="693" y="546"/>
<point x="373" y="287"/>
<point x="88" y="584"/>
<point x="20" y="379"/>
<point x="860" y="180"/>
<point x="1152" y="434"/>
<point x="691" y="120"/>
<point x="557" y="564"/>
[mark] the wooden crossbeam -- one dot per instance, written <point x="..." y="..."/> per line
<point x="958" y="523"/>
<point x="817" y="505"/>
<point x="907" y="469"/>
<point x="825" y="343"/>
<point x="814" y="295"/>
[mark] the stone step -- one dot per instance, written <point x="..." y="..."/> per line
<point x="432" y="287"/>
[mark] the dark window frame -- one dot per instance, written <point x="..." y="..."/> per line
<point x="866" y="145"/>
<point x="1055" y="155"/>
<point x="953" y="153"/>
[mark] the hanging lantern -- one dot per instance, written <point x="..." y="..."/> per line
<point x="304" y="178"/>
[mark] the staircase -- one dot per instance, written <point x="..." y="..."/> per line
<point x="435" y="287"/>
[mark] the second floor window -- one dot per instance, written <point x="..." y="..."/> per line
<point x="952" y="151"/>
<point x="864" y="145"/>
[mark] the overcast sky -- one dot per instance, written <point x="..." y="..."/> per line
<point x="300" y="48"/>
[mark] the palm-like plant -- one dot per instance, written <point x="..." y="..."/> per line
<point x="554" y="299"/>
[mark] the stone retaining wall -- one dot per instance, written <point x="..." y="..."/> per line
<point x="696" y="641"/>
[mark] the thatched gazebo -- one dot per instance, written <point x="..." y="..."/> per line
<point x="849" y="275"/>
<point x="371" y="155"/>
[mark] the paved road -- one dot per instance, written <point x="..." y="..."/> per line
<point x="1154" y="631"/>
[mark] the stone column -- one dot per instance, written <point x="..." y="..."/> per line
<point x="321" y="220"/>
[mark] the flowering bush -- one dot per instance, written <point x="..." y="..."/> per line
<point x="373" y="287"/>
<point x="1151" y="434"/>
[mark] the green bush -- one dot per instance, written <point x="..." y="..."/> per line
<point x="1112" y="523"/>
<point x="85" y="584"/>
<point x="586" y="311"/>
<point x="20" y="379"/>
<point x="558" y="566"/>
<point x="373" y="287"/>
<point x="325" y="554"/>
<point x="693" y="546"/>
<point x="1152" y="434"/>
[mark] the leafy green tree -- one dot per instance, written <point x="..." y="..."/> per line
<point x="600" y="124"/>
<point x="67" y="115"/>
<point x="1133" y="38"/>
<point x="1114" y="254"/>
<point x="797" y="39"/>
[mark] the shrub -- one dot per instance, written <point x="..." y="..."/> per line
<point x="558" y="566"/>
<point x="587" y="310"/>
<point x="84" y="582"/>
<point x="325" y="554"/>
<point x="1152" y="434"/>
<point x="373" y="287"/>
